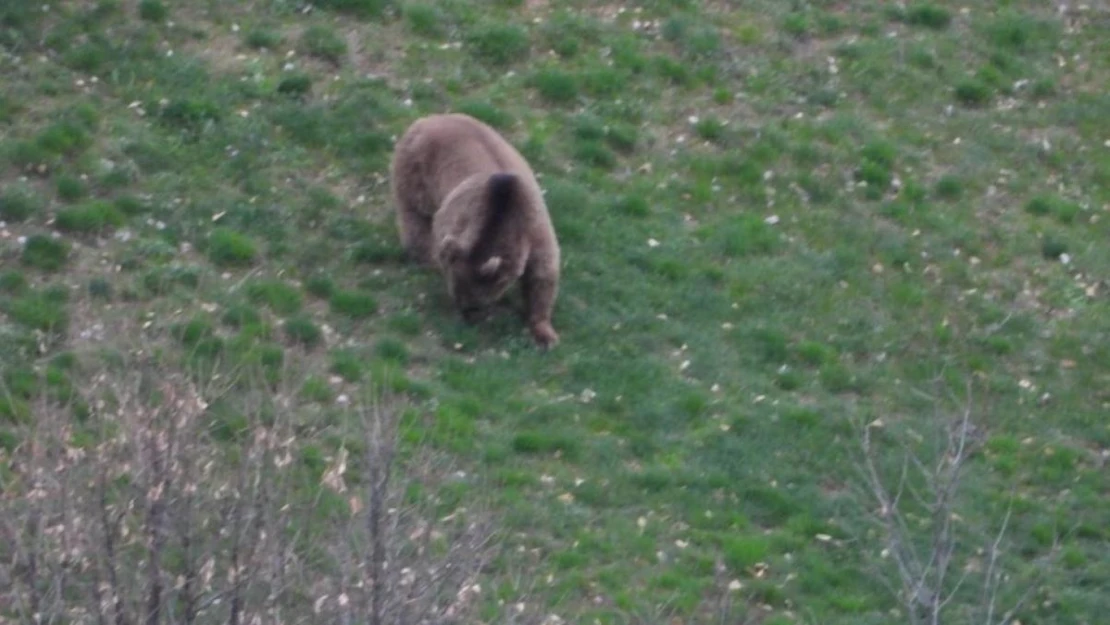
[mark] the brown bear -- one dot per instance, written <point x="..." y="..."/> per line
<point x="468" y="203"/>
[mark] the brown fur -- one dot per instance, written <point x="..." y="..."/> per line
<point x="468" y="203"/>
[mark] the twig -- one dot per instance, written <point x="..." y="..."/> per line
<point x="991" y="586"/>
<point x="379" y="458"/>
<point x="109" y="526"/>
<point x="157" y="493"/>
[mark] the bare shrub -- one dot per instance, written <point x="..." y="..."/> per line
<point x="176" y="503"/>
<point x="405" y="556"/>
<point x="940" y="564"/>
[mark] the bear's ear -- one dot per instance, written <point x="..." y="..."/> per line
<point x="490" y="267"/>
<point x="449" y="250"/>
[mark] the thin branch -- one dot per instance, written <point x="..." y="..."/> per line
<point x="991" y="585"/>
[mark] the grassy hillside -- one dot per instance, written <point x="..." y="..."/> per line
<point x="834" y="306"/>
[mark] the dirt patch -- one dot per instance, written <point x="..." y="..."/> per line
<point x="368" y="61"/>
<point x="222" y="49"/>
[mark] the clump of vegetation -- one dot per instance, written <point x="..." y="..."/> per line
<point x="498" y="44"/>
<point x="876" y="168"/>
<point x="153" y="11"/>
<point x="633" y="205"/>
<point x="27" y="155"/>
<point x="228" y="248"/>
<point x="9" y="109"/>
<point x="949" y="187"/>
<point x="12" y="283"/>
<point x="796" y="24"/>
<point x="70" y="188"/>
<point x="281" y="297"/>
<point x="263" y="38"/>
<point x="130" y="205"/>
<point x="405" y="324"/>
<point x="88" y="58"/>
<point x="42" y="310"/>
<point x="592" y="153"/>
<point x="1053" y="206"/>
<point x="100" y="288"/>
<point x="486" y="112"/>
<point x="17" y="206"/>
<point x="240" y="316"/>
<point x="301" y="330"/>
<point x="45" y="252"/>
<point x="694" y="39"/>
<point x="744" y="235"/>
<point x="555" y="86"/>
<point x="973" y="92"/>
<point x="673" y="71"/>
<point x="297" y="84"/>
<point x="346" y="364"/>
<point x="354" y="304"/>
<point x="425" y="20"/>
<point x="1053" y="248"/>
<point x="64" y="138"/>
<point x="323" y="42"/>
<point x="710" y="129"/>
<point x="358" y="8"/>
<point x="89" y="218"/>
<point x="928" y="15"/>
<point x="376" y="251"/>
<point x="1021" y="32"/>
<point x="193" y="331"/>
<point x="190" y="115"/>
<point x="392" y="350"/>
<point x="320" y="286"/>
<point x="316" y="389"/>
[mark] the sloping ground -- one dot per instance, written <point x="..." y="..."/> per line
<point x="788" y="228"/>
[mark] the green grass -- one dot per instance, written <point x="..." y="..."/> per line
<point x="301" y="330"/>
<point x="70" y="189"/>
<point x="17" y="205"/>
<point x="323" y="42"/>
<point x="555" y="86"/>
<point x="42" y="311"/>
<point x="153" y="10"/>
<point x="295" y="85"/>
<point x="89" y="218"/>
<point x="45" y="253"/>
<point x="262" y="38"/>
<point x="228" y="248"/>
<point x="356" y="304"/>
<point x="973" y="92"/>
<point x="779" y="222"/>
<point x="280" y="297"/>
<point x="498" y="44"/>
<point x="928" y="15"/>
<point x="425" y="20"/>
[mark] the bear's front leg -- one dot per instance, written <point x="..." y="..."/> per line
<point x="539" y="301"/>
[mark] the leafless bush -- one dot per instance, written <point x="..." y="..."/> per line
<point x="937" y="563"/>
<point x="404" y="560"/>
<point x="172" y="503"/>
